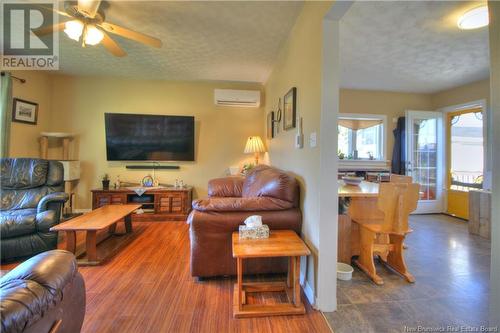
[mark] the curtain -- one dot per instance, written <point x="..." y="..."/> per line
<point x="398" y="165"/>
<point x="5" y="112"/>
<point x="356" y="124"/>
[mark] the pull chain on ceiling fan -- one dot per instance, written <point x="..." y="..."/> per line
<point x="88" y="25"/>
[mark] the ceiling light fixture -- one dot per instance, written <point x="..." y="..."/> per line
<point x="74" y="29"/>
<point x="93" y="36"/>
<point x="474" y="18"/>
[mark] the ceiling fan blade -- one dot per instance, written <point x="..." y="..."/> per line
<point x="112" y="46"/>
<point x="43" y="31"/>
<point x="130" y="34"/>
<point x="55" y="10"/>
<point x="88" y="7"/>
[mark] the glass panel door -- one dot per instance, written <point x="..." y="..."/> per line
<point x="424" y="141"/>
<point x="465" y="159"/>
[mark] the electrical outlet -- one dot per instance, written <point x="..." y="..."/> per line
<point x="313" y="140"/>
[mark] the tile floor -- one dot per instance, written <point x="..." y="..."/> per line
<point x="451" y="268"/>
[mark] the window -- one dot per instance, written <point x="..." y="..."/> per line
<point x="361" y="137"/>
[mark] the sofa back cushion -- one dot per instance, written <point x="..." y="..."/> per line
<point x="225" y="187"/>
<point x="23" y="173"/>
<point x="266" y="181"/>
<point x="25" y="181"/>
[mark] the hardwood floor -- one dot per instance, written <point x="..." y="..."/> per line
<point x="147" y="287"/>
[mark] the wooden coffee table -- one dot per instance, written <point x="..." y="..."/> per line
<point x="281" y="243"/>
<point x="92" y="222"/>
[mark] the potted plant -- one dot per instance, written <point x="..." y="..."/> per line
<point x="246" y="168"/>
<point x="105" y="182"/>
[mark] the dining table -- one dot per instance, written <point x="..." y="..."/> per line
<point x="355" y="202"/>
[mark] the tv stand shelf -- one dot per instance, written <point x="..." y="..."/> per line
<point x="159" y="204"/>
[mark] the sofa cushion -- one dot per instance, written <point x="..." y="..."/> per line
<point x="266" y="181"/>
<point x="22" y="173"/>
<point x="225" y="187"/>
<point x="240" y="204"/>
<point x="22" y="198"/>
<point x="55" y="176"/>
<point x="18" y="222"/>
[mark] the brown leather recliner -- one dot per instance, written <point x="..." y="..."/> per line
<point x="43" y="294"/>
<point x="266" y="191"/>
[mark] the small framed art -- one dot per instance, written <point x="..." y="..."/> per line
<point x="270" y="125"/>
<point x="290" y="109"/>
<point x="24" y="111"/>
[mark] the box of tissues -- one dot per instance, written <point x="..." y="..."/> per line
<point x="253" y="228"/>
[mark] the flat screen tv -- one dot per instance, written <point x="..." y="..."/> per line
<point x="137" y="137"/>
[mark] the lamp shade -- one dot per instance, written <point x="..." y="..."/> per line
<point x="254" y="145"/>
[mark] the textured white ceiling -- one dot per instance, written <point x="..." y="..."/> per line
<point x="410" y="46"/>
<point x="234" y="41"/>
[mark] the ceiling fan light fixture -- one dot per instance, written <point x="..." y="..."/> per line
<point x="93" y="35"/>
<point x="474" y="19"/>
<point x="74" y="29"/>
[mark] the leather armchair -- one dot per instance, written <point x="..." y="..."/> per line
<point x="266" y="191"/>
<point x="31" y="200"/>
<point x="43" y="293"/>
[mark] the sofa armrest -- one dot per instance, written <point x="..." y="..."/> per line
<point x="240" y="204"/>
<point x="46" y="220"/>
<point x="41" y="290"/>
<point x="51" y="269"/>
<point x="226" y="187"/>
<point x="52" y="201"/>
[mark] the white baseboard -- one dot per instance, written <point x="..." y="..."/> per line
<point x="309" y="292"/>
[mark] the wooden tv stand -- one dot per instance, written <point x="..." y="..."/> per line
<point x="159" y="204"/>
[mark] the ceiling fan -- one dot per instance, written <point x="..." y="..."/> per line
<point x="88" y="24"/>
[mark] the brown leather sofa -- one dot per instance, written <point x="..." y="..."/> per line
<point x="266" y="191"/>
<point x="43" y="294"/>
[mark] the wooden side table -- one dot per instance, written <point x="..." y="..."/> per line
<point x="281" y="243"/>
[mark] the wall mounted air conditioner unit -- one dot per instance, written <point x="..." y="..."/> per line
<point x="239" y="98"/>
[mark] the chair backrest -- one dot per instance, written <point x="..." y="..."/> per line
<point x="397" y="201"/>
<point x="400" y="179"/>
<point x="25" y="181"/>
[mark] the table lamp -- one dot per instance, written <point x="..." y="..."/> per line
<point x="255" y="146"/>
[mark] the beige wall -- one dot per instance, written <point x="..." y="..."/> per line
<point x="467" y="93"/>
<point x="299" y="65"/>
<point x="391" y="104"/>
<point x="79" y="104"/>
<point x="24" y="137"/>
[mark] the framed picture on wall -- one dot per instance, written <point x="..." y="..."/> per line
<point x="24" y="111"/>
<point x="289" y="108"/>
<point x="270" y="125"/>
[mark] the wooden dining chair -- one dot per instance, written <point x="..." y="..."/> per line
<point x="385" y="237"/>
<point x="395" y="178"/>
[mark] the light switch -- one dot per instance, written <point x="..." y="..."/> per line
<point x="313" y="140"/>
